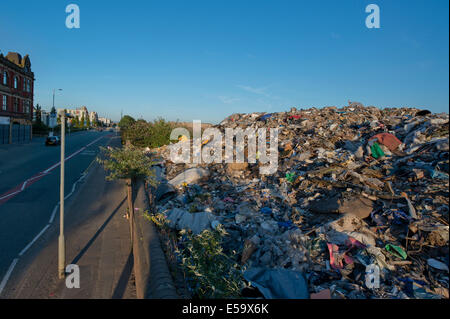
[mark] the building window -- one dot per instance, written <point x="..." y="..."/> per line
<point x="28" y="85"/>
<point x="16" y="82"/>
<point x="5" y="78"/>
<point x="16" y="105"/>
<point x="4" y="103"/>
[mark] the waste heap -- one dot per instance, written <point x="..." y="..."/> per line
<point x="358" y="207"/>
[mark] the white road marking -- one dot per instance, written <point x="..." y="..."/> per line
<point x="16" y="260"/>
<point x="73" y="187"/>
<point x="51" y="168"/>
<point x="32" y="242"/>
<point x="9" y="195"/>
<point x="30" y="179"/>
<point x="8" y="274"/>
<point x="53" y="213"/>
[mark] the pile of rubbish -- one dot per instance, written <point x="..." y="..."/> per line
<point x="358" y="207"/>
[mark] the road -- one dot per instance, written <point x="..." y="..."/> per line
<point x="29" y="188"/>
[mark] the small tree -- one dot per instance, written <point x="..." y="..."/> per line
<point x="138" y="134"/>
<point x="211" y="272"/>
<point x="126" y="122"/>
<point x="75" y="122"/>
<point x="88" y="122"/>
<point x="152" y="134"/>
<point x="82" y="121"/>
<point x="130" y="164"/>
<point x="38" y="114"/>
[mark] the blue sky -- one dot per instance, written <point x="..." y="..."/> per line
<point x="208" y="59"/>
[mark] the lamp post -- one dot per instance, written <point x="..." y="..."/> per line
<point x="61" y="240"/>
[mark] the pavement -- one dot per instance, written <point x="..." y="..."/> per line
<point x="97" y="234"/>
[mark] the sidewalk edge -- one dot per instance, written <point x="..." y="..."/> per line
<point x="153" y="279"/>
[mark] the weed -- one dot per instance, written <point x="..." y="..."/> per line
<point x="211" y="273"/>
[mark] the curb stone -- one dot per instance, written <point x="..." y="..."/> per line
<point x="153" y="279"/>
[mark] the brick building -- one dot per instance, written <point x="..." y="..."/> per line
<point x="16" y="98"/>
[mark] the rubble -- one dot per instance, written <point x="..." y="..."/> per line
<point x="278" y="283"/>
<point x="355" y="186"/>
<point x="189" y="176"/>
<point x="198" y="222"/>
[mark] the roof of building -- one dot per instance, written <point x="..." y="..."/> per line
<point x="18" y="61"/>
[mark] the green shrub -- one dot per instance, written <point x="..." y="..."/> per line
<point x="148" y="134"/>
<point x="159" y="219"/>
<point x="211" y="273"/>
<point x="126" y="163"/>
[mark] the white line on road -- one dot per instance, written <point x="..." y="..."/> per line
<point x="52" y="217"/>
<point x="53" y="213"/>
<point x="16" y="260"/>
<point x="37" y="176"/>
<point x="8" y="274"/>
<point x="73" y="187"/>
<point x="9" y="195"/>
<point x="49" y="169"/>
<point x="32" y="242"/>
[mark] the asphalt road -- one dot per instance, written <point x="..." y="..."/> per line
<point x="31" y="172"/>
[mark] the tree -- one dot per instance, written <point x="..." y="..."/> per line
<point x="129" y="164"/>
<point x="126" y="122"/>
<point x="161" y="131"/>
<point x="82" y="121"/>
<point x="151" y="134"/>
<point x="38" y="114"/>
<point x="38" y="126"/>
<point x="75" y="121"/>
<point x="88" y="122"/>
<point x="137" y="134"/>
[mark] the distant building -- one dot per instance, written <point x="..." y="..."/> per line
<point x="93" y="117"/>
<point x="44" y="117"/>
<point x="105" y="121"/>
<point x="79" y="113"/>
<point x="16" y="98"/>
<point x="82" y="112"/>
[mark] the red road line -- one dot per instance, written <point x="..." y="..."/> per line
<point x="20" y="188"/>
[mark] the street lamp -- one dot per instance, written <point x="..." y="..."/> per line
<point x="61" y="240"/>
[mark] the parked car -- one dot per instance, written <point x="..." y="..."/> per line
<point x="52" y="140"/>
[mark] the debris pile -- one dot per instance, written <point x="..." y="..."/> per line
<point x="358" y="206"/>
